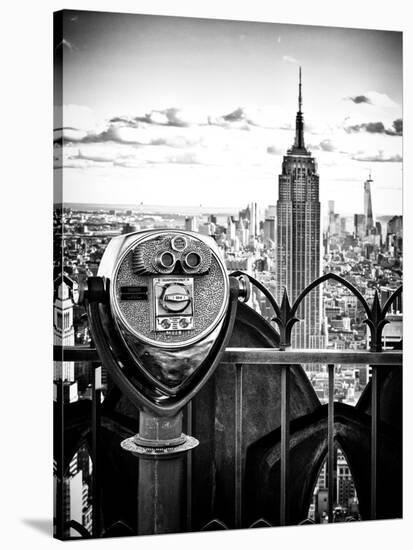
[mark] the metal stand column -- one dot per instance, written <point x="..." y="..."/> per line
<point x="161" y="448"/>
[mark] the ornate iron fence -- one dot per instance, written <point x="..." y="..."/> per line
<point x="282" y="358"/>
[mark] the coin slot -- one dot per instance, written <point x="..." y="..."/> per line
<point x="179" y="243"/>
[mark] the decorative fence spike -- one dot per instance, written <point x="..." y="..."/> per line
<point x="376" y="322"/>
<point x="285" y="321"/>
<point x="285" y="314"/>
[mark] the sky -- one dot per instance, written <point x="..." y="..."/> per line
<point x="182" y="111"/>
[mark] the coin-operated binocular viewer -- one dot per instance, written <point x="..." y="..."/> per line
<point x="161" y="312"/>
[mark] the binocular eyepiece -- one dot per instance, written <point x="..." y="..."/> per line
<point x="168" y="254"/>
<point x="166" y="261"/>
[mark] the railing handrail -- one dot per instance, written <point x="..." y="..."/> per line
<point x="327" y="356"/>
<point x="264" y="356"/>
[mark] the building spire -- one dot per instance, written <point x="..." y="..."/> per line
<point x="299" y="121"/>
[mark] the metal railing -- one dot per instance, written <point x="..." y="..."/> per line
<point x="281" y="359"/>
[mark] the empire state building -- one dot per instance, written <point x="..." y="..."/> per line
<point x="298" y="235"/>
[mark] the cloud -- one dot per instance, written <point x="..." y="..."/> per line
<point x="273" y="150"/>
<point x="238" y="119"/>
<point x="174" y="116"/>
<point x="189" y="157"/>
<point x="146" y="136"/>
<point x="79" y="117"/>
<point x="245" y="136"/>
<point x="379" y="157"/>
<point x="327" y="145"/>
<point x="68" y="134"/>
<point x="359" y="99"/>
<point x="184" y="118"/>
<point x="238" y="114"/>
<point x="248" y="118"/>
<point x="111" y="153"/>
<point x="377" y="128"/>
<point x="381" y="100"/>
<point x="290" y="59"/>
<point x="172" y="126"/>
<point x="186" y="157"/>
<point x="369" y="127"/>
<point x="398" y="126"/>
<point x="373" y="98"/>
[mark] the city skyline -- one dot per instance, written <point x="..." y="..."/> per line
<point x="200" y="107"/>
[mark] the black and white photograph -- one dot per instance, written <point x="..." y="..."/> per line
<point x="227" y="275"/>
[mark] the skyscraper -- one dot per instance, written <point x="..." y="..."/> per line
<point x="331" y="218"/>
<point x="298" y="235"/>
<point x="359" y="225"/>
<point x="254" y="219"/>
<point x="368" y="210"/>
<point x="64" y="335"/>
